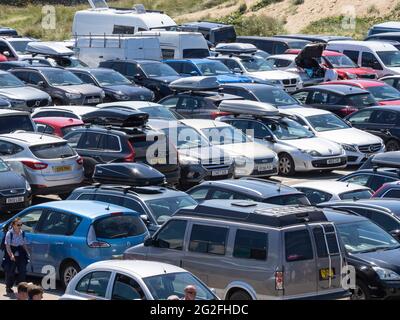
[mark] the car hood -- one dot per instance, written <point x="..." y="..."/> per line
<point x="305" y="58"/>
<point x="82" y="89"/>
<point x="128" y="90"/>
<point x="389" y="259"/>
<point x="274" y="75"/>
<point x="350" y="136"/>
<point x="11" y="180"/>
<point x="206" y="154"/>
<point x="23" y="93"/>
<point x="168" y="79"/>
<point x="389" y="102"/>
<point x="323" y="146"/>
<point x="249" y="149"/>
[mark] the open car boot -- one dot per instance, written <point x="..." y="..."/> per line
<point x="309" y="59"/>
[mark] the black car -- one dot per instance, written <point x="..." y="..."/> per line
<point x="273" y="45"/>
<point x="389" y="159"/>
<point x="313" y="37"/>
<point x="62" y="85"/>
<point x="197" y="104"/>
<point x="260" y="92"/>
<point x="153" y="75"/>
<point x="124" y="139"/>
<point x="213" y="32"/>
<point x="115" y="85"/>
<point x="8" y="65"/>
<point x="382" y="121"/>
<point x="339" y="99"/>
<point x="251" y="189"/>
<point x="372" y="178"/>
<point x="8" y="32"/>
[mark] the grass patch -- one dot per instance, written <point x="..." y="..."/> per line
<point x="263" y="3"/>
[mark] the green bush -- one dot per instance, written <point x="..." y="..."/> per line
<point x="242" y="8"/>
<point x="297" y="2"/>
<point x="263" y="3"/>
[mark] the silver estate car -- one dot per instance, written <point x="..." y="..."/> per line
<point x="47" y="162"/>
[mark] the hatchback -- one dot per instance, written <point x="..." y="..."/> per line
<point x="58" y="126"/>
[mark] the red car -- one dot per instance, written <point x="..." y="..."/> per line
<point x="342" y="64"/>
<point x="382" y="92"/>
<point x="57" y="125"/>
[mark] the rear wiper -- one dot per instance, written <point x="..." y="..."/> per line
<point x="65" y="156"/>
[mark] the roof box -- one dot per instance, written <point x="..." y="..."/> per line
<point x="49" y="49"/>
<point x="383" y="160"/>
<point x="118" y="117"/>
<point x="195" y="84"/>
<point x="130" y="174"/>
<point x="250" y="107"/>
<point x="235" y="48"/>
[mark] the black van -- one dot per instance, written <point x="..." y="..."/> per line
<point x="273" y="45"/>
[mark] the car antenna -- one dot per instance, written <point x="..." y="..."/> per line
<point x="108" y="207"/>
<point x="279" y="187"/>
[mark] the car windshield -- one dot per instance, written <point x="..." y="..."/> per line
<point x="153" y="70"/>
<point x="287" y="129"/>
<point x="384" y="93"/>
<point x="10" y="81"/>
<point x="213" y="68"/>
<point x="289" y="200"/>
<point x="110" y="78"/>
<point x="340" y="61"/>
<point x="390" y="58"/>
<point x="326" y="122"/>
<point x="164" y="208"/>
<point x="361" y="100"/>
<point x="3" y="166"/>
<point x="365" y="236"/>
<point x="186" y="138"/>
<point x="356" y="195"/>
<point x="274" y="96"/>
<point x="167" y="284"/>
<point x="159" y="112"/>
<point x="254" y="64"/>
<point x="59" y="77"/>
<point x="224" y="135"/>
<point x="69" y="129"/>
<point x="59" y="150"/>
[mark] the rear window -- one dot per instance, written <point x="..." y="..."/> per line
<point x="361" y="100"/>
<point x="66" y="130"/>
<point x="298" y="246"/>
<point x="290" y="199"/>
<point x="195" y="53"/>
<point x="9" y="124"/>
<point x="356" y="195"/>
<point x="53" y="151"/>
<point x="121" y="226"/>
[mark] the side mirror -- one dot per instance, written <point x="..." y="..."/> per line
<point x="6" y="53"/>
<point x="138" y="76"/>
<point x="395" y="234"/>
<point x="41" y="84"/>
<point x="270" y="139"/>
<point x="194" y="73"/>
<point x="148" y="242"/>
<point x="145" y="219"/>
<point x="237" y="70"/>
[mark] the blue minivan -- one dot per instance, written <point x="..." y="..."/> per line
<point x="70" y="235"/>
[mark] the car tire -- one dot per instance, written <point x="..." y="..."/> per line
<point x="286" y="165"/>
<point x="361" y="292"/>
<point x="57" y="102"/>
<point x="392" y="145"/>
<point x="68" y="271"/>
<point x="240" y="295"/>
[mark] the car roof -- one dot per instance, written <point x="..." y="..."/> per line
<point x="249" y="86"/>
<point x="140" y="268"/>
<point x="90" y="70"/>
<point x="313" y="37"/>
<point x="130" y="104"/>
<point x="373" y="45"/>
<point x="8" y="112"/>
<point x="385" y="107"/>
<point x="78" y="110"/>
<point x="59" y="121"/>
<point x="391" y="204"/>
<point x="305" y="111"/>
<point x="139" y="61"/>
<point x="392" y="172"/>
<point x="32" y="138"/>
<point x="277" y="38"/>
<point x="358" y="82"/>
<point x="41" y="68"/>
<point x="284" y="56"/>
<point x="204" y="123"/>
<point x="206" y="24"/>
<point x="330" y="186"/>
<point x="337" y="88"/>
<point x="388" y="24"/>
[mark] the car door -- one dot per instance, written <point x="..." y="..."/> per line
<point x="187" y="106"/>
<point x="124" y="287"/>
<point x="361" y="119"/>
<point x="383" y="124"/>
<point x="368" y="60"/>
<point x="93" y="285"/>
<point x="92" y="145"/>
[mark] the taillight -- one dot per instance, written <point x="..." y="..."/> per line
<point x="99" y="244"/>
<point x="131" y="156"/>
<point x="347" y="110"/>
<point x="79" y="161"/>
<point x="35" y="165"/>
<point x="278" y="280"/>
<point x="216" y="114"/>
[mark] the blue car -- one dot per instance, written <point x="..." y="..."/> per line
<point x="70" y="235"/>
<point x="206" y="67"/>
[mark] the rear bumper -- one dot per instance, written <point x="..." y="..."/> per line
<point x="44" y="190"/>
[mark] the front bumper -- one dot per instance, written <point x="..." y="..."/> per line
<point x="385" y="290"/>
<point x="196" y="173"/>
<point x="357" y="158"/>
<point x="305" y="162"/>
<point x="15" y="207"/>
<point x="258" y="169"/>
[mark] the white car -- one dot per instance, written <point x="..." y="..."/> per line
<point x="75" y="112"/>
<point x="251" y="158"/>
<point x="359" y="145"/>
<point x="323" y="191"/>
<point x="284" y="62"/>
<point x="133" y="280"/>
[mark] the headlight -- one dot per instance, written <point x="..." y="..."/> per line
<point x="17" y="103"/>
<point x="73" y="95"/>
<point x="120" y="95"/>
<point x="312" y="153"/>
<point x="386" y="274"/>
<point x="349" y="147"/>
<point x="28" y="186"/>
<point x="350" y="75"/>
<point x="186" y="160"/>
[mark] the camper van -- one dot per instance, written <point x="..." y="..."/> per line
<point x="180" y="45"/>
<point x="100" y="19"/>
<point x="93" y="50"/>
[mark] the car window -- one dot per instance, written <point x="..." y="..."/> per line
<point x="353" y="55"/>
<point x="91" y="140"/>
<point x="280" y="63"/>
<point x="168" y="53"/>
<point x="73" y="139"/>
<point x="188" y="68"/>
<point x="320" y="243"/>
<point x="199" y="194"/>
<point x="232" y="64"/>
<point x="58" y="223"/>
<point x="377" y="181"/>
<point x="133" y="205"/>
<point x="190" y="103"/>
<point x="195" y="53"/>
<point x="315" y="196"/>
<point x="126" y="288"/>
<point x="221" y="194"/>
<point x="298" y="246"/>
<point x="288" y="200"/>
<point x="392" y="193"/>
<point x="383" y="220"/>
<point x="260" y="131"/>
<point x="86" y="196"/>
<point x="208" y="239"/>
<point x="94" y="283"/>
<point x="132" y="69"/>
<point x="53" y="151"/>
<point x="384" y="117"/>
<point x="318" y="97"/>
<point x="44" y="128"/>
<point x="119" y="226"/>
<point x="171" y="102"/>
<point x="333" y="99"/>
<point x="11" y="123"/>
<point x="251" y="245"/>
<point x="35" y="78"/>
<point x="362" y="116"/>
<point x="356" y="195"/>
<point x="85" y="78"/>
<point x="8" y="148"/>
<point x="171" y="236"/>
<point x="30" y="220"/>
<point x="369" y="60"/>
<point x="280" y="47"/>
<point x="361" y="179"/>
<point x="301" y="96"/>
<point x="112" y="143"/>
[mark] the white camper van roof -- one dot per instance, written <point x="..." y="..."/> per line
<point x="49" y="48"/>
<point x="195" y="83"/>
<point x="236" y="48"/>
<point x="249" y="107"/>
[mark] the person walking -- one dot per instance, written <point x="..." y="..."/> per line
<point x="16" y="255"/>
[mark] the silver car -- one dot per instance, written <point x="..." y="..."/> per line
<point x="47" y="162"/>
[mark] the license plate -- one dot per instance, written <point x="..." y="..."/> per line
<point x="326" y="273"/>
<point x="158" y="161"/>
<point x="94" y="100"/>
<point x="290" y="89"/>
<point x="333" y="161"/>
<point x="15" y="200"/>
<point x="62" y="169"/>
<point x="265" y="167"/>
<point x="219" y="172"/>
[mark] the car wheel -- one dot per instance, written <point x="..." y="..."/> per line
<point x="286" y="165"/>
<point x="392" y="145"/>
<point x="361" y="292"/>
<point x="240" y="295"/>
<point x="68" y="271"/>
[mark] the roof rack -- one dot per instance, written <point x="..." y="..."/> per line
<point x="133" y="189"/>
<point x="248" y="107"/>
<point x="195" y="84"/>
<point x="236" y="48"/>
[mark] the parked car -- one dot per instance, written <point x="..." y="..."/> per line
<point x="11" y="121"/>
<point x="359" y="145"/>
<point x="8" y="32"/>
<point x="372" y="178"/>
<point x="382" y="121"/>
<point x="58" y="126"/>
<point x="268" y="244"/>
<point x="390" y="159"/>
<point x="383" y="93"/>
<point x="249" y="189"/>
<point x="157" y="203"/>
<point x="115" y="85"/>
<point x="70" y="235"/>
<point x="213" y="32"/>
<point x="388" y="190"/>
<point x="153" y="75"/>
<point x="55" y="61"/>
<point x="341" y="100"/>
<point x="14" y="48"/>
<point x="251" y="158"/>
<point x="47" y="162"/>
<point x="384" y="27"/>
<point x="390" y="80"/>
<point x="133" y="280"/>
<point x="384" y="36"/>
<point x="8" y="65"/>
<point x="62" y="85"/>
<point x="323" y="191"/>
<point x="74" y="112"/>
<point x="313" y="37"/>
<point x="273" y="45"/>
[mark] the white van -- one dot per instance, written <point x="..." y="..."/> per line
<point x="102" y="20"/>
<point x="383" y="57"/>
<point x="180" y="45"/>
<point x="93" y="50"/>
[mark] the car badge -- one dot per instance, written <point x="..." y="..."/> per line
<point x="13" y="191"/>
<point x="37" y="103"/>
